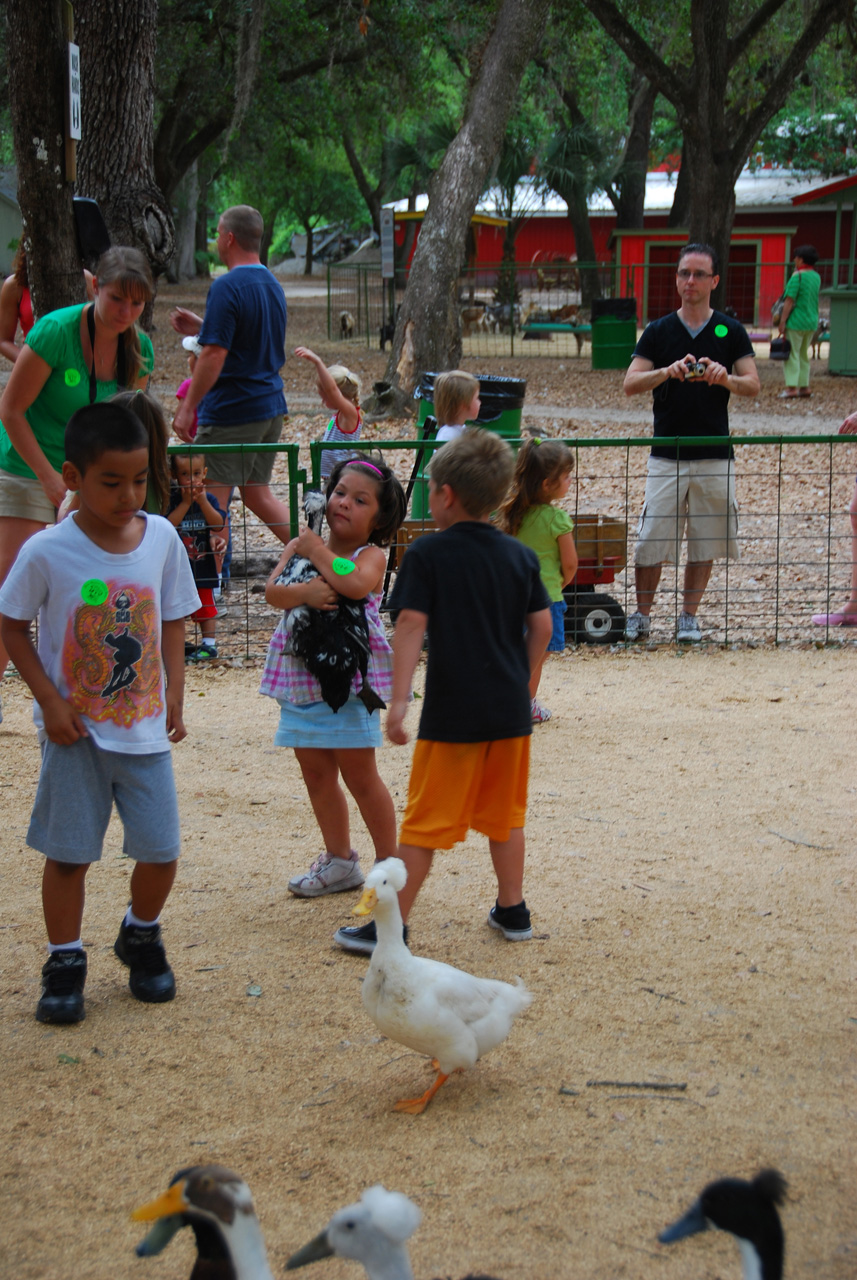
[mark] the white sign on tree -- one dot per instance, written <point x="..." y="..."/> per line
<point x="74" y="92"/>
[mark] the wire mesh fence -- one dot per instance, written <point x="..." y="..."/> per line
<point x="513" y="309"/>
<point x="795" y="542"/>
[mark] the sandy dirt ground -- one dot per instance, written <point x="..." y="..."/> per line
<point x="691" y="873"/>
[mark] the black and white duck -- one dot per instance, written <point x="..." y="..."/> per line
<point x="217" y="1205"/>
<point x="748" y="1211"/>
<point x="431" y="1007"/>
<point x="334" y="644"/>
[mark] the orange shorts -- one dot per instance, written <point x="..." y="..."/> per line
<point x="460" y="786"/>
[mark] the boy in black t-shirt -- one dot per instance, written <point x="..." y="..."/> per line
<point x="201" y="526"/>
<point x="479" y="596"/>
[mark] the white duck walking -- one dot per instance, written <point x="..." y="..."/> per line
<point x="748" y="1211"/>
<point x="429" y="1006"/>
<point x="216" y="1203"/>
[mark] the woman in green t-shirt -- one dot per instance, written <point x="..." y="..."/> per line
<point x="72" y="357"/>
<point x="799" y="321"/>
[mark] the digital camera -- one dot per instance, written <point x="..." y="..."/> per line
<point x="695" y="369"/>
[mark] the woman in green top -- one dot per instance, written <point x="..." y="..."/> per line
<point x="72" y="357"/>
<point x="799" y="321"/>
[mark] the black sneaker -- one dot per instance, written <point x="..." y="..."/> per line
<point x="206" y="652"/>
<point x="513" y="922"/>
<point x="151" y="978"/>
<point x="361" y="937"/>
<point x="63" y="976"/>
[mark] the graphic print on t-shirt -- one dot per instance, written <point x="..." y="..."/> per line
<point x="110" y="660"/>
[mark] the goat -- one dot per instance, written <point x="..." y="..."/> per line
<point x="346" y="324"/>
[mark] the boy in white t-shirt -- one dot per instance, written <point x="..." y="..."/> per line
<point x="111" y="588"/>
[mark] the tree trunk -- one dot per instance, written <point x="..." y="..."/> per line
<point x="115" y="164"/>
<point x="37" y="61"/>
<point x="308" y="252"/>
<point x="183" y="265"/>
<point x="679" y="215"/>
<point x="428" y="330"/>
<point x="590" y="284"/>
<point x="631" y="177"/>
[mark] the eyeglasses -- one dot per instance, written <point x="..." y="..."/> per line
<point x="693" y="275"/>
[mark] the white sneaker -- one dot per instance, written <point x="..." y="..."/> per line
<point x="687" y="631"/>
<point x="637" y="627"/>
<point x="327" y="875"/>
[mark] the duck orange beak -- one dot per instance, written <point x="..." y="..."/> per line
<point x="367" y="903"/>
<point x="172" y="1201"/>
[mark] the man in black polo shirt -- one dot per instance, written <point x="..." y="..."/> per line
<point x="691" y="360"/>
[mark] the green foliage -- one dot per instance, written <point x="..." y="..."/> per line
<point x="810" y="141"/>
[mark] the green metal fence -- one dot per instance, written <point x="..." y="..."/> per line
<point x="794" y="537"/>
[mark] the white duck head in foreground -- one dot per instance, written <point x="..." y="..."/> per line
<point x="748" y="1211"/>
<point x="428" y="1006"/>
<point x="373" y="1231"/>
<point x="218" y="1206"/>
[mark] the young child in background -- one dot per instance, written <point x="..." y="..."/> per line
<point x="222" y="558"/>
<point x="479" y="596"/>
<point x="456" y="401"/>
<point x="542" y="477"/>
<point x="201" y="524"/>
<point x="111" y="587"/>
<point x="365" y="506"/>
<point x="339" y="389"/>
<point x="192" y="347"/>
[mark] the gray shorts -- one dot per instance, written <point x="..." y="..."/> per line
<point x="74" y="800"/>
<point x="23" y="498"/>
<point x="698" y="496"/>
<point x="244" y="467"/>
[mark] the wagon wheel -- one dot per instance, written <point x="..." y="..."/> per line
<point x="593" y="618"/>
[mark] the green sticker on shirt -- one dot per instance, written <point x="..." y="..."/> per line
<point x="94" y="591"/>
<point x="342" y="567"/>
<point x="72" y="378"/>
<point x="721" y="331"/>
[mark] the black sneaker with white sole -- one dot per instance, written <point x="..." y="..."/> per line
<point x="151" y="979"/>
<point x="63" y="978"/>
<point x="361" y="938"/>
<point x="513" y="922"/>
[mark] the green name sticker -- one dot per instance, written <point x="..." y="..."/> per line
<point x="94" y="591"/>
<point x="72" y="377"/>
<point x="343" y="567"/>
<point x="721" y="331"/>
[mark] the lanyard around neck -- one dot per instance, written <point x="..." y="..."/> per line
<point x="120" y="356"/>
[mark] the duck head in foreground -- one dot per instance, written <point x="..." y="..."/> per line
<point x="373" y="1231"/>
<point x="748" y="1211"/>
<point x="218" y="1206"/>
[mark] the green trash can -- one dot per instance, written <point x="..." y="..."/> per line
<point x="614" y="332"/>
<point x="501" y="406"/>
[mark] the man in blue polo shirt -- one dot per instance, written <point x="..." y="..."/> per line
<point x="236" y="386"/>
<point x="690" y="360"/>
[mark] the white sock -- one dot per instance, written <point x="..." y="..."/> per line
<point x="131" y="919"/>
<point x="65" y="946"/>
